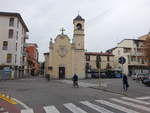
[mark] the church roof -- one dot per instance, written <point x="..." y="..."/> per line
<point x="79" y="18"/>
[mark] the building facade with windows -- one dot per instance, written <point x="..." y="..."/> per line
<point x="132" y="51"/>
<point x="13" y="35"/>
<point x="32" y="54"/>
<point x="106" y="61"/>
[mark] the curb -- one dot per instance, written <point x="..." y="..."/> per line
<point x="110" y="91"/>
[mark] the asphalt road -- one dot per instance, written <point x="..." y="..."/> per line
<point x="37" y="93"/>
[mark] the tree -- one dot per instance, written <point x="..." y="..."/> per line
<point x="98" y="60"/>
<point x="147" y="49"/>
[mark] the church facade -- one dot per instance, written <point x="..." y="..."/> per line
<point x="66" y="57"/>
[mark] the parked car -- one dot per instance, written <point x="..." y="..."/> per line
<point x="138" y="76"/>
<point x="95" y="75"/>
<point x="134" y="77"/>
<point x="118" y="75"/>
<point x="146" y="81"/>
<point x="103" y="75"/>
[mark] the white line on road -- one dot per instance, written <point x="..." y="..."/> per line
<point x="96" y="107"/>
<point x="134" y="100"/>
<point x="21" y="103"/>
<point x="27" y="111"/>
<point x="143" y="98"/>
<point x="74" y="108"/>
<point x="51" y="109"/>
<point x="115" y="106"/>
<point x="131" y="104"/>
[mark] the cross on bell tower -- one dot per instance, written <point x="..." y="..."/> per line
<point x="62" y="30"/>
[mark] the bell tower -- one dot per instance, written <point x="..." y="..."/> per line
<point x="78" y="36"/>
<point x="78" y="44"/>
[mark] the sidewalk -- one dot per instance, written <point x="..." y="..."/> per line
<point x="115" y="86"/>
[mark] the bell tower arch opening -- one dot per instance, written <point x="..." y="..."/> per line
<point x="78" y="36"/>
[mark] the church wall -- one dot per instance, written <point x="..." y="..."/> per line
<point x="58" y="60"/>
<point x="79" y="63"/>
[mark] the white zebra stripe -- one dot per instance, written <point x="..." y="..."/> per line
<point x="115" y="106"/>
<point x="27" y="111"/>
<point x="143" y="98"/>
<point x="73" y="108"/>
<point x="96" y="107"/>
<point x="134" y="100"/>
<point x="131" y="104"/>
<point x="51" y="109"/>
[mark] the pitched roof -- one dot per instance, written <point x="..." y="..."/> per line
<point x="79" y="18"/>
<point x="99" y="53"/>
<point x="16" y="15"/>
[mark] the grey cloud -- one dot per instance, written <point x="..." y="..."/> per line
<point x="107" y="21"/>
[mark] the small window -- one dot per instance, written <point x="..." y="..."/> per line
<point x="16" y="46"/>
<point x="5" y="45"/>
<point x="138" y="59"/>
<point x="142" y="61"/>
<point x="88" y="58"/>
<point x="9" y="58"/>
<point x="15" y="59"/>
<point x="11" y="32"/>
<point x="108" y="58"/>
<point x="11" y="22"/>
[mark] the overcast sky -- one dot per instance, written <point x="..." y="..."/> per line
<point x="107" y="22"/>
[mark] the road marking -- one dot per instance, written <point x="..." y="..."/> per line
<point x="131" y="104"/>
<point x="134" y="100"/>
<point x="51" y="109"/>
<point x="7" y="99"/>
<point x="21" y="103"/>
<point x="96" y="107"/>
<point x="118" y="107"/>
<point x="143" y="98"/>
<point x="27" y="111"/>
<point x="74" y="108"/>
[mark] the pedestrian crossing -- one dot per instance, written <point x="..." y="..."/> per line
<point x="117" y="105"/>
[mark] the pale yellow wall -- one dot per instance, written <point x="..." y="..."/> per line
<point x="57" y="60"/>
<point x="79" y="63"/>
<point x="104" y="62"/>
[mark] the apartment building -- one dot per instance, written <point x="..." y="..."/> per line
<point x="107" y="60"/>
<point x="32" y="58"/>
<point x="13" y="35"/>
<point x="132" y="51"/>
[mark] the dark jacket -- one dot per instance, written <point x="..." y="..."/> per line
<point x="75" y="77"/>
<point x="125" y="79"/>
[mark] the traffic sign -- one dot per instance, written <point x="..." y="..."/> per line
<point x="121" y="60"/>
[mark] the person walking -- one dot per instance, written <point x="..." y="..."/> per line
<point x="75" y="80"/>
<point x="125" y="82"/>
